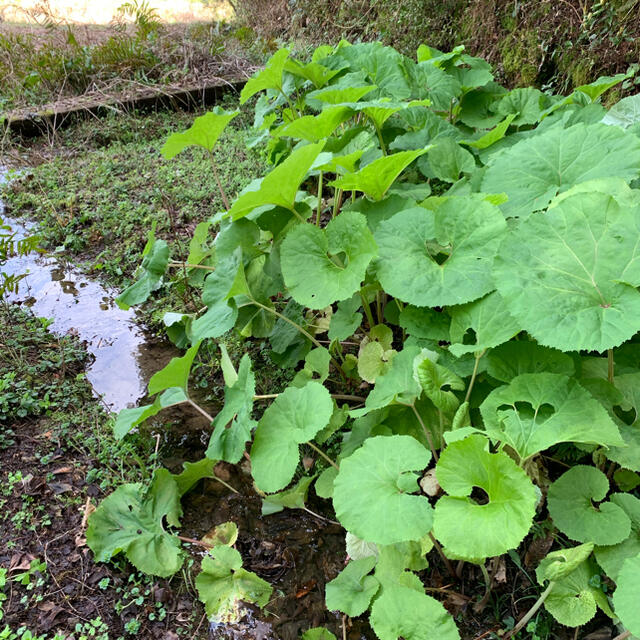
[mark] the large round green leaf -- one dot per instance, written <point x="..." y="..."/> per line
<point x="570" y="276"/>
<point x="294" y="417"/>
<point x="513" y="358"/>
<point x="536" y="169"/>
<point x="570" y="502"/>
<point x="490" y="322"/>
<point x="611" y="558"/>
<point x="322" y="266"/>
<point x="625" y="597"/>
<point x="130" y="520"/>
<point x="223" y="585"/>
<point x="573" y="600"/>
<point x="472" y="530"/>
<point x="442" y="257"/>
<point x="402" y="612"/>
<point x="537" y="410"/>
<point x="351" y="591"/>
<point x="371" y="493"/>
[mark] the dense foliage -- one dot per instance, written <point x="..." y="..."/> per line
<point x="452" y="269"/>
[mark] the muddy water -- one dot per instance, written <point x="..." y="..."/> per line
<point x="123" y="356"/>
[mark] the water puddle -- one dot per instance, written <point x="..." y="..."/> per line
<point x="123" y="356"/>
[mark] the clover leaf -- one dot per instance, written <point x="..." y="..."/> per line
<point x="537" y="410"/>
<point x="233" y="425"/>
<point x="611" y="558"/>
<point x="223" y="584"/>
<point x="402" y="612"/>
<point x="130" y="521"/>
<point x="442" y="257"/>
<point x="489" y="529"/>
<point x="352" y="590"/>
<point x="204" y="132"/>
<point x="625" y="597"/>
<point x="321" y="266"/>
<point x="570" y="276"/>
<point x="570" y="502"/>
<point x="533" y="171"/>
<point x="371" y="494"/>
<point x="294" y="417"/>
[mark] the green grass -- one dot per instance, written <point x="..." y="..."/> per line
<point x="109" y="184"/>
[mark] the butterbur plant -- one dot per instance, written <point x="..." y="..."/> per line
<point x="452" y="271"/>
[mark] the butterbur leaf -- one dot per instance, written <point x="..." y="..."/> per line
<point x="232" y="426"/>
<point x="535" y="170"/>
<point x="155" y="258"/>
<point x="358" y="549"/>
<point x="346" y="319"/>
<point x="204" y="132"/>
<point x="402" y="612"/>
<point x="372" y="492"/>
<point x="561" y="563"/>
<point x="490" y="529"/>
<point x="513" y="358"/>
<point x="129" y="418"/>
<point x="175" y="374"/>
<point x="538" y="410"/>
<point x="442" y="257"/>
<point x="130" y="521"/>
<point x="351" y="592"/>
<point x="570" y="276"/>
<point x="315" y="128"/>
<point x="398" y="383"/>
<point x="625" y="597"/>
<point x="223" y="585"/>
<point x="625" y="113"/>
<point x="269" y="78"/>
<point x="373" y="360"/>
<point x="438" y="384"/>
<point x="572" y="600"/>
<point x="294" y="417"/>
<point x="321" y="266"/>
<point x="316" y="73"/>
<point x="571" y="501"/>
<point x="491" y="137"/>
<point x="446" y="160"/>
<point x="316" y="367"/>
<point x="423" y="322"/>
<point x="293" y="498"/>
<point x="279" y="187"/>
<point x="375" y="179"/>
<point x="490" y="321"/>
<point x="595" y="89"/>
<point x="611" y="558"/>
<point x="192" y="473"/>
<point x="318" y="633"/>
<point x="224" y="534"/>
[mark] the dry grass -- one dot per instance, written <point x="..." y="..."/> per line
<point x="103" y="11"/>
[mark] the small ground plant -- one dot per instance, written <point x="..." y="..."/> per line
<point x="452" y="271"/>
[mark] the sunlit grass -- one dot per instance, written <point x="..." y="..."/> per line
<point x="92" y="12"/>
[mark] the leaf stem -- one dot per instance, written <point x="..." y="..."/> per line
<point x="337" y="396"/>
<point x="446" y="560"/>
<point x="367" y="311"/>
<point x="206" y="545"/>
<point x="182" y="265"/>
<point x="538" y="603"/>
<point x="623" y="636"/>
<point x="200" y="410"/>
<point x="337" y="202"/>
<point x="319" y="200"/>
<point x="320" y="452"/>
<point x="225" y="200"/>
<point x="610" y="365"/>
<point x="473" y="376"/>
<point x="425" y="430"/>
<point x="317" y="515"/>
